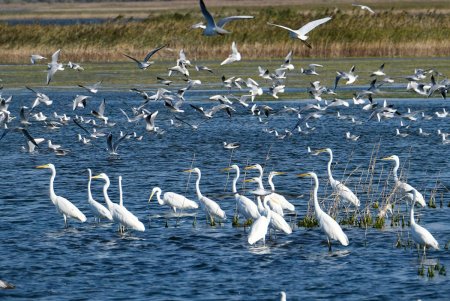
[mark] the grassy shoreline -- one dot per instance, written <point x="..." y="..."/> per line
<point x="392" y="32"/>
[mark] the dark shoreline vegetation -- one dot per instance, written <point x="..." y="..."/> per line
<point x="351" y="33"/>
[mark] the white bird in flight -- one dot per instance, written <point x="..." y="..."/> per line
<point x="145" y="63"/>
<point x="364" y="7"/>
<point x="302" y="31"/>
<point x="233" y="57"/>
<point x="212" y="28"/>
<point x="54" y="66"/>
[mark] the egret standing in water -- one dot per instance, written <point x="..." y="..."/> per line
<point x="63" y="205"/>
<point x="119" y="213"/>
<point x="212" y="208"/>
<point x="326" y="222"/>
<point x="401" y="187"/>
<point x="173" y="200"/>
<point x="339" y="189"/>
<point x="98" y="209"/>
<point x="418" y="233"/>
<point x="245" y="206"/>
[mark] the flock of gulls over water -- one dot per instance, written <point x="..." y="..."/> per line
<point x="270" y="207"/>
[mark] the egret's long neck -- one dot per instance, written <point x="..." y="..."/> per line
<point x="260" y="184"/>
<point x="317" y="208"/>
<point x="105" y="194"/>
<point x="412" y="222"/>
<point x="260" y="205"/>
<point x="330" y="176"/>
<point x="158" y="197"/>
<point x="197" y="185"/>
<point x="51" y="189"/>
<point x="272" y="187"/>
<point x="120" y="192"/>
<point x="236" y="178"/>
<point x="269" y="212"/>
<point x="397" y="165"/>
<point x="89" y="188"/>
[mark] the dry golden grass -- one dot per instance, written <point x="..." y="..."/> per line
<point x="405" y="31"/>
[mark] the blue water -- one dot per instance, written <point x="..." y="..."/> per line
<point x="184" y="258"/>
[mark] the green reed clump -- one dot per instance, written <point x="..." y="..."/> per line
<point x="308" y="222"/>
<point x="379" y="222"/>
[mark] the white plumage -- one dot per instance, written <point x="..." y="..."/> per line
<point x="338" y="188"/>
<point x="173" y="200"/>
<point x="98" y="209"/>
<point x="418" y="233"/>
<point x="212" y="208"/>
<point x="119" y="213"/>
<point x="402" y="188"/>
<point x="327" y="223"/>
<point x="63" y="205"/>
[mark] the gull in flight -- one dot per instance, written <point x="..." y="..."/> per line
<point x="350" y="77"/>
<point x="36" y="57"/>
<point x="364" y="7"/>
<point x="145" y="63"/>
<point x="54" y="66"/>
<point x="92" y="88"/>
<point x="233" y="57"/>
<point x="212" y="28"/>
<point x="302" y="31"/>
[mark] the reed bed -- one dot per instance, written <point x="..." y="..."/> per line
<point x="351" y="33"/>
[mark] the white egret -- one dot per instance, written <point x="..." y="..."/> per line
<point x="173" y="200"/>
<point x="274" y="205"/>
<point x="63" y="205"/>
<point x="119" y="213"/>
<point x="401" y="187"/>
<point x="278" y="198"/>
<point x="282" y="296"/>
<point x="326" y="222"/>
<point x="339" y="189"/>
<point x="302" y="31"/>
<point x="212" y="208"/>
<point x="419" y="234"/>
<point x="245" y="206"/>
<point x="260" y="227"/>
<point x="277" y="221"/>
<point x="98" y="209"/>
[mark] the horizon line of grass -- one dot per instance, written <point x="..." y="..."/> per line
<point x="349" y="34"/>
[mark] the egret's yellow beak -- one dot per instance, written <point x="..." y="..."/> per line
<point x="277" y="173"/>
<point x="151" y="196"/>
<point x="249" y="180"/>
<point x="42" y="166"/>
<point x="387" y="158"/>
<point x="226" y="169"/>
<point x="96" y="177"/>
<point x="322" y="150"/>
<point x="188" y="170"/>
<point x="304" y="175"/>
<point x="250" y="167"/>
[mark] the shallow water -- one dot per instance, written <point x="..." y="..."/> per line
<point x="179" y="258"/>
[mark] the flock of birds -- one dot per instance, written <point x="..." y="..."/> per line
<point x="270" y="207"/>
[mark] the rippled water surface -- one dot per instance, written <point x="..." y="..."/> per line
<point x="182" y="257"/>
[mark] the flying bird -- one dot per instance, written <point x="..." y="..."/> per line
<point x="145" y="63"/>
<point x="302" y="31"/>
<point x="364" y="7"/>
<point x="233" y="57"/>
<point x="54" y="66"/>
<point x="212" y="28"/>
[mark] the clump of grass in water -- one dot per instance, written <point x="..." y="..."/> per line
<point x="379" y="222"/>
<point x="308" y="222"/>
